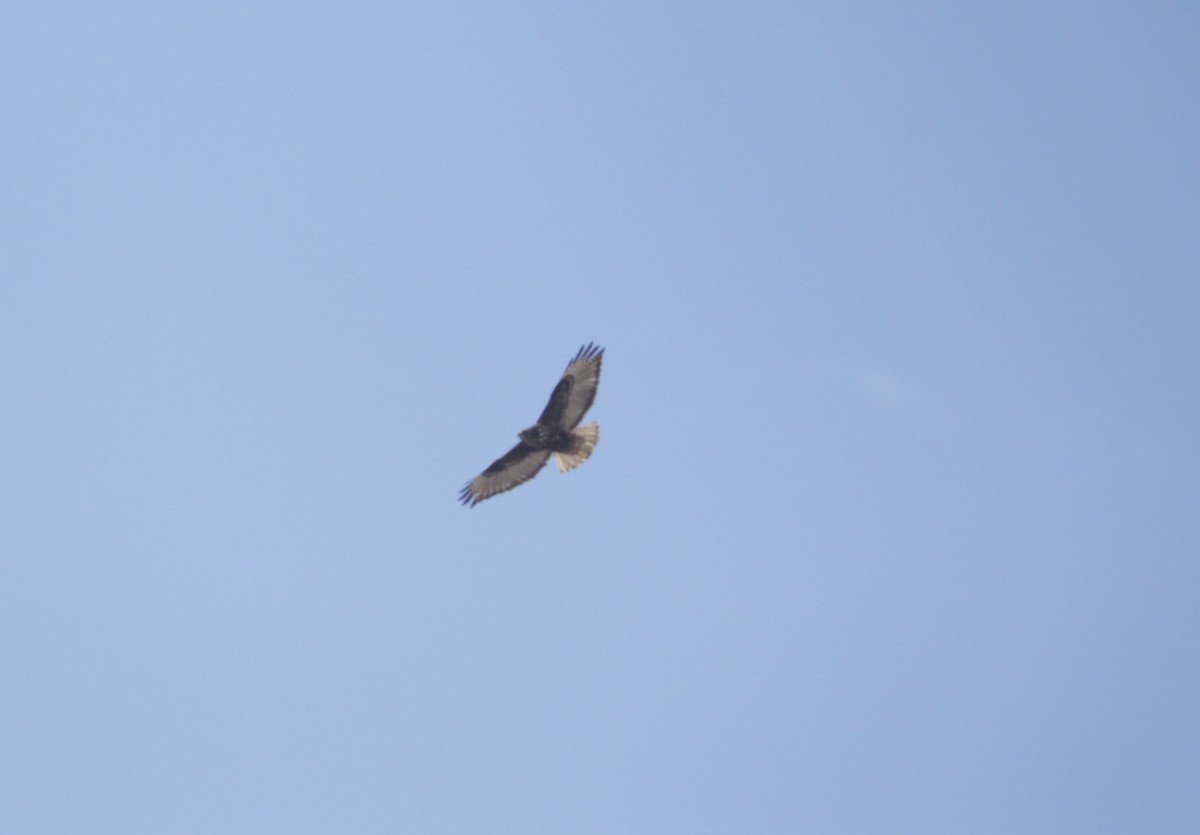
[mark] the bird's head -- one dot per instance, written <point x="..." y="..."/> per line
<point x="532" y="436"/>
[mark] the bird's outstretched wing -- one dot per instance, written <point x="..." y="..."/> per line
<point x="576" y="391"/>
<point x="552" y="415"/>
<point x="516" y="466"/>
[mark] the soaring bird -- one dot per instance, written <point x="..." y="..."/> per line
<point x="556" y="432"/>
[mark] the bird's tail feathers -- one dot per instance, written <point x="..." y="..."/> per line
<point x="586" y="438"/>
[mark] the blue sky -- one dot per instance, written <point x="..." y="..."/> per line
<point x="893" y="524"/>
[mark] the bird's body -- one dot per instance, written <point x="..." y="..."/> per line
<point x="557" y="432"/>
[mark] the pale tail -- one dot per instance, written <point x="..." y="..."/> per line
<point x="586" y="438"/>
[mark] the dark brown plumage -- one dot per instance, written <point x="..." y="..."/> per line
<point x="555" y="433"/>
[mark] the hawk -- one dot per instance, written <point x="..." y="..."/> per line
<point x="554" y="433"/>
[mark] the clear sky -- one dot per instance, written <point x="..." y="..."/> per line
<point x="893" y="526"/>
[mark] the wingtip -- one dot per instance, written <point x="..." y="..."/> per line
<point x="589" y="351"/>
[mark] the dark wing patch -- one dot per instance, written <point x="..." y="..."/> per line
<point x="553" y="413"/>
<point x="584" y="374"/>
<point x="516" y="466"/>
